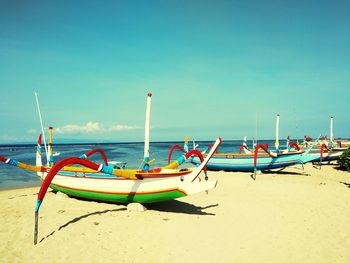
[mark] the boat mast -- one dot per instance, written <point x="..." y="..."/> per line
<point x="277" y="143"/>
<point x="42" y="127"/>
<point x="255" y="142"/>
<point x="147" y="128"/>
<point x="331" y="135"/>
<point x="50" y="147"/>
<point x="186" y="144"/>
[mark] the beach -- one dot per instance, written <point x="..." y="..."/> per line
<point x="294" y="215"/>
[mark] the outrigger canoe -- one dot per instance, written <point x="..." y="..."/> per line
<point x="113" y="183"/>
<point x="256" y="161"/>
<point x="261" y="158"/>
<point x="326" y="150"/>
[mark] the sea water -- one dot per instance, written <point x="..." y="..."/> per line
<point x="132" y="153"/>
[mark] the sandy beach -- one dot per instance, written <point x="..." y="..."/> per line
<point x="292" y="216"/>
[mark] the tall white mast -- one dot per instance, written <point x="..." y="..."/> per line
<point x="42" y="127"/>
<point x="331" y="135"/>
<point x="147" y="128"/>
<point x="277" y="143"/>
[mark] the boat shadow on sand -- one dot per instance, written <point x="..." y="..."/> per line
<point x="74" y="220"/>
<point x="346" y="184"/>
<point x="302" y="173"/>
<point x="175" y="206"/>
<point x="172" y="206"/>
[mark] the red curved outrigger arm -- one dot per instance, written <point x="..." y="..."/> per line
<point x="339" y="142"/>
<point x="324" y="149"/>
<point x="75" y="160"/>
<point x="211" y="145"/>
<point x="100" y="151"/>
<point x="198" y="154"/>
<point x="241" y="148"/>
<point x="48" y="179"/>
<point x="176" y="146"/>
<point x="264" y="147"/>
<point x="58" y="166"/>
<point x="294" y="145"/>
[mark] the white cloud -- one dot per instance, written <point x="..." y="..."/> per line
<point x="7" y="137"/>
<point x="120" y="127"/>
<point x="92" y="127"/>
<point x="32" y="131"/>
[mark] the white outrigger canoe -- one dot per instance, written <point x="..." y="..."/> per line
<point x="113" y="183"/>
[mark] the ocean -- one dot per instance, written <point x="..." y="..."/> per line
<point x="132" y="153"/>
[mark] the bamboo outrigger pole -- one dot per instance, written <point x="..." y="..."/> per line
<point x="42" y="127"/>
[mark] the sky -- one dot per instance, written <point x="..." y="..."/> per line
<point x="215" y="68"/>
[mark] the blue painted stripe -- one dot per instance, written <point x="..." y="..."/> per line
<point x="145" y="164"/>
<point x="13" y="162"/>
<point x="108" y="169"/>
<point x="38" y="204"/>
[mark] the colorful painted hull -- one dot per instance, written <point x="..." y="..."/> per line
<point x="99" y="182"/>
<point x="108" y="188"/>
<point x="245" y="162"/>
<point x="110" y="184"/>
<point x="329" y="156"/>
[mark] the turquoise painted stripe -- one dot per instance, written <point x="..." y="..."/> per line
<point x="81" y="174"/>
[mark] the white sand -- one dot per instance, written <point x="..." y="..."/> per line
<point x="299" y="216"/>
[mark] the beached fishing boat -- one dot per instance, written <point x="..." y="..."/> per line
<point x="256" y="161"/>
<point x="326" y="150"/>
<point x="261" y="158"/>
<point x="112" y="182"/>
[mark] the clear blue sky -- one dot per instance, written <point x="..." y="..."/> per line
<point x="215" y="68"/>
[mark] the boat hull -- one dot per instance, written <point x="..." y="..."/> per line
<point x="332" y="155"/>
<point x="107" y="188"/>
<point x="246" y="164"/>
<point x="119" y="197"/>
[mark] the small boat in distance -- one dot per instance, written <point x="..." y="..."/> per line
<point x="326" y="150"/>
